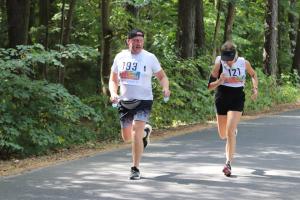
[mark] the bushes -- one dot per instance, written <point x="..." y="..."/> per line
<point x="109" y="126"/>
<point x="190" y="100"/>
<point x="271" y="92"/>
<point x="36" y="116"/>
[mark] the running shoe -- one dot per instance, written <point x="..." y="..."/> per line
<point x="146" y="139"/>
<point x="227" y="170"/>
<point x="134" y="173"/>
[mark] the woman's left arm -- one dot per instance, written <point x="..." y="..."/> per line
<point x="254" y="79"/>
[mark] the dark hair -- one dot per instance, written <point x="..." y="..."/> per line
<point x="228" y="51"/>
<point x="135" y="32"/>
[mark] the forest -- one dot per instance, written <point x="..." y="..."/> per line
<point x="56" y="56"/>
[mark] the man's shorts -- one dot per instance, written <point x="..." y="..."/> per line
<point x="229" y="99"/>
<point x="140" y="113"/>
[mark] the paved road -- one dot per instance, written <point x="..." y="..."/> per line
<point x="187" y="167"/>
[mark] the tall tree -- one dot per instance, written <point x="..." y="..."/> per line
<point x="106" y="45"/>
<point x="296" y="59"/>
<point x="18" y="12"/>
<point x="44" y="6"/>
<point x="66" y="25"/>
<point x="199" y="25"/>
<point x="186" y="28"/>
<point x="229" y="20"/>
<point x="3" y="22"/>
<point x="218" y="4"/>
<point x="61" y="71"/>
<point x="134" y="11"/>
<point x="293" y="24"/>
<point x="271" y="33"/>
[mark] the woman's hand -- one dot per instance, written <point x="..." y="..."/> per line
<point x="222" y="79"/>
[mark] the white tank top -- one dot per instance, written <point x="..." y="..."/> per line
<point x="236" y="74"/>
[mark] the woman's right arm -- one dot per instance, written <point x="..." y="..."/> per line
<point x="214" y="82"/>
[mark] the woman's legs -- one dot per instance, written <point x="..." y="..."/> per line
<point x="222" y="122"/>
<point x="227" y="125"/>
<point x="233" y="118"/>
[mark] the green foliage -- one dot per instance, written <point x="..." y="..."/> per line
<point x="31" y="55"/>
<point x="36" y="116"/>
<point x="190" y="100"/>
<point x="271" y="93"/>
<point x="109" y="126"/>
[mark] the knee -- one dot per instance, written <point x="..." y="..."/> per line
<point x="126" y="140"/>
<point x="223" y="137"/>
<point x="126" y="135"/>
<point x="231" y="134"/>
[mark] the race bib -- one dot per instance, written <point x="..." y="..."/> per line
<point x="130" y="72"/>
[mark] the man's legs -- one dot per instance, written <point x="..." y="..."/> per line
<point x="133" y="129"/>
<point x="137" y="142"/>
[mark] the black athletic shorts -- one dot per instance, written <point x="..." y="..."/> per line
<point x="229" y="99"/>
<point x="141" y="113"/>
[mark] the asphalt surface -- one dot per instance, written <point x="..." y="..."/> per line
<point x="187" y="167"/>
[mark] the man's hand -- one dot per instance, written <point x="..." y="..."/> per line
<point x="114" y="98"/>
<point x="254" y="94"/>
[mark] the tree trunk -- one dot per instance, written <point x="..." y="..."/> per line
<point x="229" y="21"/>
<point x="281" y="32"/>
<point x="134" y="11"/>
<point x="293" y="25"/>
<point x="271" y="34"/>
<point x="61" y="70"/>
<point x="186" y="32"/>
<point x="3" y="16"/>
<point x="68" y="24"/>
<point x="44" y="21"/>
<point x="296" y="59"/>
<point x="18" y="12"/>
<point x="105" y="44"/>
<point x="65" y="33"/>
<point x="217" y="29"/>
<point x="199" y="25"/>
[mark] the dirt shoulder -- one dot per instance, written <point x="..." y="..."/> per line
<point x="15" y="166"/>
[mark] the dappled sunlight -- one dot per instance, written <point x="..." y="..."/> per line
<point x="279" y="152"/>
<point x="188" y="167"/>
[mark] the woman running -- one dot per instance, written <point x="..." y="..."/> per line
<point x="228" y="79"/>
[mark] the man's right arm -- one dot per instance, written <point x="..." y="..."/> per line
<point x="113" y="86"/>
